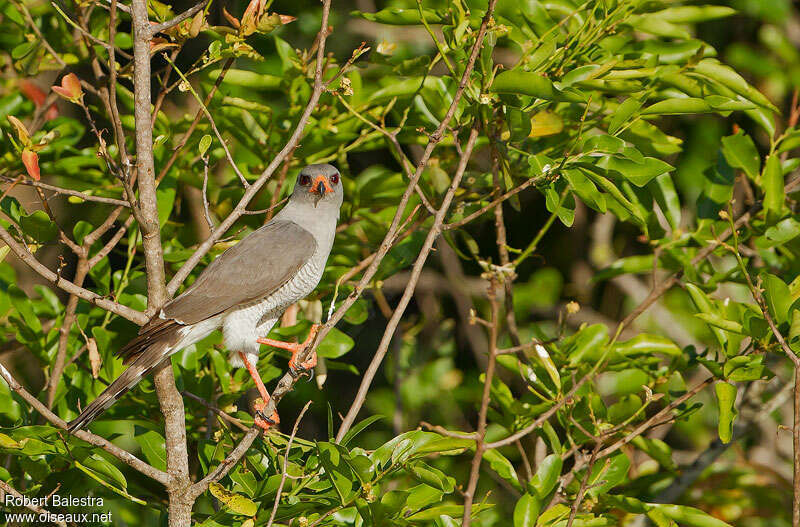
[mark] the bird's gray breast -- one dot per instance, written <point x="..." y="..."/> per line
<point x="297" y="288"/>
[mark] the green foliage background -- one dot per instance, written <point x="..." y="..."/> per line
<point x="646" y="128"/>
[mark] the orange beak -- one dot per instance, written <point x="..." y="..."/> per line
<point x="321" y="182"/>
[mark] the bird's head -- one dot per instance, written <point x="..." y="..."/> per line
<point x="320" y="184"/>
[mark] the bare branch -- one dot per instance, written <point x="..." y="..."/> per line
<point x="158" y="28"/>
<point x="383" y="347"/>
<point x="123" y="455"/>
<point x="284" y="472"/>
<point x="67" y="192"/>
<point x="137" y="317"/>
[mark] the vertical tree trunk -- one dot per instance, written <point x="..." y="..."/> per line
<point x="180" y="506"/>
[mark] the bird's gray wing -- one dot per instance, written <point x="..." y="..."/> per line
<point x="251" y="270"/>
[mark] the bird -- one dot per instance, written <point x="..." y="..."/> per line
<point x="243" y="292"/>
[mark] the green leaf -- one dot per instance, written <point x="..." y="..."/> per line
<point x="205" y="142"/>
<point x="431" y="476"/>
<point x="648" y="344"/>
<point x="248" y="79"/>
<point x="24" y="307"/>
<point x="165" y="197"/>
<point x="235" y="502"/>
<point x="336" y="344"/>
<point x="656" y="449"/>
<point x="358" y="428"/>
<point x="526" y="511"/>
<point x="778" y="297"/>
<point x="519" y="124"/>
<point x="726" y="397"/>
<point x="783" y="231"/>
<point x="693" y="14"/>
<point x="152" y="445"/>
<point x="588" y="343"/>
<point x="728" y="77"/>
<point x="666" y="196"/>
<point x="81" y="229"/>
<point x="532" y="84"/>
<point x="396" y="16"/>
<point x="740" y="152"/>
<point x="704" y="305"/>
<point x="503" y="467"/>
<point x="720" y="322"/>
<point x="338" y="471"/>
<point x="794" y="330"/>
<point x="95" y="476"/>
<point x="657" y="26"/>
<point x="684" y="105"/>
<point x="624" y="112"/>
<point x="774" y="195"/>
<point x="626" y="406"/>
<point x="606" y="476"/>
<point x="546" y="478"/>
<point x="39" y="226"/>
<point x="639" y="174"/>
<point x="449" y="510"/>
<point x="745" y="368"/>
<point x="689" y="516"/>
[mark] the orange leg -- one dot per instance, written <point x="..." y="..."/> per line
<point x="261" y="420"/>
<point x="296" y="368"/>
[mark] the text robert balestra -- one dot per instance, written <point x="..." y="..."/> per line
<point x="54" y="500"/>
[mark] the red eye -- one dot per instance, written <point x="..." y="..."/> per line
<point x="335" y="179"/>
<point x="305" y="180"/>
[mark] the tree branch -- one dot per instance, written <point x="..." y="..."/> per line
<point x="137" y="317"/>
<point x="123" y="455"/>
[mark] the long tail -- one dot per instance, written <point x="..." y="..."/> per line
<point x="155" y="343"/>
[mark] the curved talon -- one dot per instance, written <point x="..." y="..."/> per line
<point x="261" y="420"/>
<point x="271" y="421"/>
<point x="296" y="371"/>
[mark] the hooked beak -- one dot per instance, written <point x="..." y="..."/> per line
<point x="321" y="187"/>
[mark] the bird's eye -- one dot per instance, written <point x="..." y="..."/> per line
<point x="335" y="179"/>
<point x="305" y="180"/>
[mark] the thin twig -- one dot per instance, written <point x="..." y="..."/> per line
<point x="233" y="420"/>
<point x="391" y="326"/>
<point x="30" y="260"/>
<point x="67" y="191"/>
<point x="284" y="472"/>
<point x="123" y="455"/>
<point x="433" y="141"/>
<point x="480" y="433"/>
<point x="189" y="13"/>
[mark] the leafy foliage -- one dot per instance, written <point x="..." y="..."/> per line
<point x="634" y="145"/>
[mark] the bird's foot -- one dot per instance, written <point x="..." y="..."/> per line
<point x="297" y="368"/>
<point x="261" y="420"/>
<point x="307" y="366"/>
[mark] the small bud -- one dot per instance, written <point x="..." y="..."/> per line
<point x="386" y="48"/>
<point x="70" y="88"/>
<point x="31" y="161"/>
<point x="22" y="132"/>
<point x="347" y="87"/>
<point x="232" y="20"/>
<point x="573" y="307"/>
<point x="724" y="215"/>
<point x="94" y="356"/>
<point x="251" y="16"/>
<point x="198" y="23"/>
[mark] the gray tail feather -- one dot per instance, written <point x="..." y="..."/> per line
<point x="144" y="359"/>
